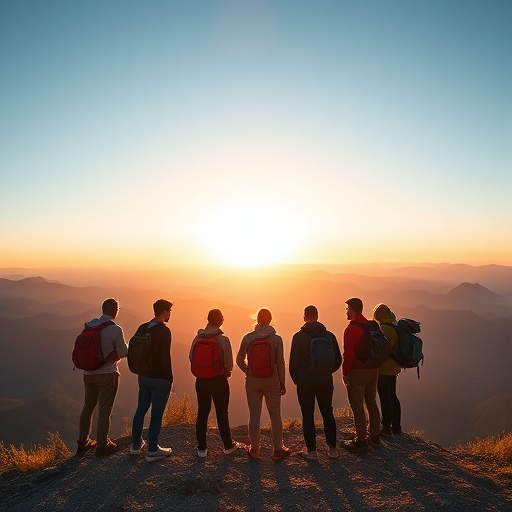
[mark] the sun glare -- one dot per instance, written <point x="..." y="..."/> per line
<point x="250" y="233"/>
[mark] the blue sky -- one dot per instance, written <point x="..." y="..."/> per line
<point x="248" y="132"/>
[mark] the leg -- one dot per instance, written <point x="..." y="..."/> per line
<point x="273" y="403"/>
<point x="204" y="405"/>
<point x="221" y="402"/>
<point x="307" y="407"/>
<point x="107" y="394"/>
<point x="370" y="398"/>
<point x="396" y="417"/>
<point x="254" y="401"/>
<point x="160" y="390"/>
<point x="384" y="388"/>
<point x="90" y="401"/>
<point x="355" y="392"/>
<point x="324" y="399"/>
<point x="142" y="408"/>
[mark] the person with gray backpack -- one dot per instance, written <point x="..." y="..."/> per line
<point x="314" y="357"/>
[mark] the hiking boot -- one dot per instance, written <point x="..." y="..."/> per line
<point x="83" y="448"/>
<point x="137" y="451"/>
<point x="108" y="449"/>
<point x="234" y="447"/>
<point x="309" y="454"/>
<point x="281" y="453"/>
<point x="202" y="453"/>
<point x="332" y="453"/>
<point x="386" y="432"/>
<point x="161" y="453"/>
<point x="356" y="444"/>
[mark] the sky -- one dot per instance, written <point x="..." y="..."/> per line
<point x="245" y="132"/>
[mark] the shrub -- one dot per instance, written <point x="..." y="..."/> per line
<point x="497" y="447"/>
<point x="179" y="412"/>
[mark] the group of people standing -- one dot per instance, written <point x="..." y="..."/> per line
<point x="362" y="383"/>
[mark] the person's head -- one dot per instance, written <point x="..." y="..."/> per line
<point x="162" y="308"/>
<point x="264" y="317"/>
<point x="110" y="307"/>
<point x="354" y="307"/>
<point x="381" y="313"/>
<point x="310" y="314"/>
<point x="215" y="317"/>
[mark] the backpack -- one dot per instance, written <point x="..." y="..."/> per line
<point x="139" y="358"/>
<point x="408" y="352"/>
<point x="261" y="357"/>
<point x="87" y="353"/>
<point x="206" y="358"/>
<point x="373" y="348"/>
<point x="321" y="357"/>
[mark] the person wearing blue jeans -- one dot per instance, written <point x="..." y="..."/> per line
<point x="155" y="385"/>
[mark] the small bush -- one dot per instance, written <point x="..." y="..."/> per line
<point x="497" y="447"/>
<point x="343" y="412"/>
<point x="38" y="457"/>
<point x="179" y="412"/>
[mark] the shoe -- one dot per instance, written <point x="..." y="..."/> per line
<point x="397" y="431"/>
<point x="332" y="452"/>
<point x="137" y="451"/>
<point x="253" y="453"/>
<point x="375" y="440"/>
<point x="282" y="453"/>
<point x="83" y="448"/>
<point x="108" y="449"/>
<point x="202" y="453"/>
<point x="234" y="448"/>
<point x="356" y="444"/>
<point x="161" y="453"/>
<point x="386" y="432"/>
<point x="309" y="454"/>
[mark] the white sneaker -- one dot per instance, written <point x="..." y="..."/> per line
<point x="137" y="451"/>
<point x="202" y="453"/>
<point x="161" y="453"/>
<point x="234" y="448"/>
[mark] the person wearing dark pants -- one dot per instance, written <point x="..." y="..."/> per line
<point x="312" y="386"/>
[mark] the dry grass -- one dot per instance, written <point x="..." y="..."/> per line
<point x="38" y="457"/>
<point x="179" y="411"/>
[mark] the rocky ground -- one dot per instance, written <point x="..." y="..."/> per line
<point x="405" y="473"/>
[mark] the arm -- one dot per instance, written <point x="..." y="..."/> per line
<point x="348" y="350"/>
<point x="280" y="363"/>
<point x="165" y="353"/>
<point x="294" y="364"/>
<point x="228" y="355"/>
<point x="120" y="344"/>
<point x="240" y="358"/>
<point x="337" y="353"/>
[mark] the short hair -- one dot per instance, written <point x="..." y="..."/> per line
<point x="264" y="317"/>
<point x="215" y="317"/>
<point x="311" y="313"/>
<point x="356" y="304"/>
<point x="110" y="307"/>
<point x="161" y="305"/>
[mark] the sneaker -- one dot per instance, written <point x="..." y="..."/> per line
<point x="309" y="454"/>
<point x="161" y="453"/>
<point x="386" y="432"/>
<point x="137" y="451"/>
<point x="282" y="453"/>
<point x="83" y="448"/>
<point x="202" y="453"/>
<point x="356" y="444"/>
<point x="233" y="448"/>
<point x="332" y="452"/>
<point x="108" y="449"/>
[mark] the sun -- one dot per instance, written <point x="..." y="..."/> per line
<point x="250" y="233"/>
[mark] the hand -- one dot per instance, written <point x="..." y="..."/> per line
<point x="345" y="380"/>
<point x="283" y="389"/>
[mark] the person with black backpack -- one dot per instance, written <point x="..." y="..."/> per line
<point x="314" y="357"/>
<point x="360" y="375"/>
<point x="386" y="386"/>
<point x="211" y="361"/>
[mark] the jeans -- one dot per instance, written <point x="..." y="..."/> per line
<point x="101" y="390"/>
<point x="361" y="390"/>
<point x="306" y="393"/>
<point x="154" y="392"/>
<point x="216" y="389"/>
<point x="389" y="403"/>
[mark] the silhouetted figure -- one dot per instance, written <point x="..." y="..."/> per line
<point x="261" y="358"/>
<point x="101" y="385"/>
<point x="361" y="381"/>
<point x="311" y="369"/>
<point x="211" y="360"/>
<point x="386" y="386"/>
<point x="155" y="384"/>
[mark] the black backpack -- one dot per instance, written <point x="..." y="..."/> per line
<point x="373" y="348"/>
<point x="321" y="357"/>
<point x="139" y="357"/>
<point x="408" y="352"/>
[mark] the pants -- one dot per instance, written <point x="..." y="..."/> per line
<point x="216" y="389"/>
<point x="389" y="403"/>
<point x="256" y="389"/>
<point x="361" y="390"/>
<point x="306" y="393"/>
<point x="155" y="393"/>
<point x="101" y="390"/>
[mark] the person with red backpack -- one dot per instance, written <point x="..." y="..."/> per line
<point x="102" y="383"/>
<point x="211" y="361"/>
<point x="261" y="358"/>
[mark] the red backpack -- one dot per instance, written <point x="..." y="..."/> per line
<point x="87" y="353"/>
<point x="206" y="359"/>
<point x="261" y="357"/>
